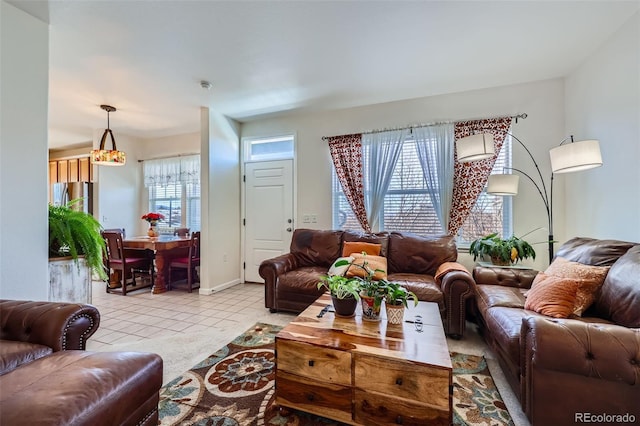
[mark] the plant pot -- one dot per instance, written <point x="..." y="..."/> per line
<point x="370" y="308"/>
<point x="344" y="307"/>
<point x="395" y="313"/>
<point x="69" y="281"/>
<point x="500" y="262"/>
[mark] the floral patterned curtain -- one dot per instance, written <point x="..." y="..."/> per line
<point x="346" y="153"/>
<point x="470" y="178"/>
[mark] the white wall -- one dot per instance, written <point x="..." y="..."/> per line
<point x="24" y="86"/>
<point x="543" y="101"/>
<point x="220" y="154"/>
<point x="603" y="102"/>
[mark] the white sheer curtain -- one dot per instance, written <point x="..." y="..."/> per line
<point x="381" y="152"/>
<point x="435" y="146"/>
<point x="167" y="171"/>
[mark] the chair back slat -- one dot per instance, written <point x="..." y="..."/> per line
<point x="115" y="246"/>
<point x="194" y="248"/>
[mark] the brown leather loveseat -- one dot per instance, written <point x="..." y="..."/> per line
<point x="291" y="279"/>
<point x="581" y="369"/>
<point x="47" y="378"/>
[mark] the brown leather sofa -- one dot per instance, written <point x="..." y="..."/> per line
<point x="47" y="378"/>
<point x="291" y="279"/>
<point x="564" y="370"/>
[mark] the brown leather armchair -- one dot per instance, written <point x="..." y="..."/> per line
<point x="291" y="279"/>
<point x="47" y="378"/>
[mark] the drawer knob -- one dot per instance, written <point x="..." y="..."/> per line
<point x="399" y="420"/>
<point x="310" y="397"/>
<point x="311" y="362"/>
<point x="399" y="381"/>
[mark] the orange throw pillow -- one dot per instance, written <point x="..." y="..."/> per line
<point x="552" y="296"/>
<point x="372" y="263"/>
<point x="350" y="247"/>
<point x="589" y="278"/>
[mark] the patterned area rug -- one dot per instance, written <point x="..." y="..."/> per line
<point x="234" y="387"/>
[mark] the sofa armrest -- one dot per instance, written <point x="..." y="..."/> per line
<point x="457" y="286"/>
<point x="592" y="362"/>
<point x="270" y="270"/>
<point x="510" y="277"/>
<point x="60" y="326"/>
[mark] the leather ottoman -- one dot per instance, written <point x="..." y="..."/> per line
<point x="83" y="388"/>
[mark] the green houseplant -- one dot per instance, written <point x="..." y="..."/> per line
<point x="75" y="233"/>
<point x="396" y="299"/>
<point x="501" y="251"/>
<point x="344" y="293"/>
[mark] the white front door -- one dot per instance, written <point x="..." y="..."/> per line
<point x="268" y="213"/>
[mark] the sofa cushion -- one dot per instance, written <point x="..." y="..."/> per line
<point x="593" y="252"/>
<point x="497" y="295"/>
<point x="424" y="286"/>
<point x="552" y="296"/>
<point x="82" y="388"/>
<point x="620" y="294"/>
<point x="505" y="324"/>
<point x="589" y="278"/>
<point x="302" y="280"/>
<point x="375" y="264"/>
<point x="13" y="354"/>
<point x="416" y="254"/>
<point x="316" y="247"/>
<point x="381" y="238"/>
<point x="352" y="247"/>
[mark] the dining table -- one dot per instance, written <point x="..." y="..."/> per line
<point x="165" y="248"/>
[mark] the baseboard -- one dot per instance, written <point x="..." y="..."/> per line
<point x="218" y="288"/>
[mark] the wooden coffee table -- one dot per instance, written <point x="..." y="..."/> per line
<point x="363" y="372"/>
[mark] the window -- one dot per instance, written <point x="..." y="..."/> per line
<point x="174" y="191"/>
<point x="268" y="149"/>
<point x="408" y="208"/>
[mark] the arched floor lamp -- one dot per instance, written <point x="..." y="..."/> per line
<point x="565" y="158"/>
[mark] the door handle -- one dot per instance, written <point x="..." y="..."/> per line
<point x="289" y="220"/>
<point x="289" y="229"/>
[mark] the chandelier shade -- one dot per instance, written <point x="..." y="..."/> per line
<point x="575" y="156"/>
<point x="475" y="147"/>
<point x="108" y="157"/>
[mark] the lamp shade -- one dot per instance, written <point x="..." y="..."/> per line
<point x="475" y="147"/>
<point x="575" y="156"/>
<point x="503" y="184"/>
<point x="108" y="157"/>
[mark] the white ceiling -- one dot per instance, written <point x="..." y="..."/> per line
<point x="147" y="58"/>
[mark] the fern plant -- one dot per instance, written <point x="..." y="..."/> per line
<point x="75" y="233"/>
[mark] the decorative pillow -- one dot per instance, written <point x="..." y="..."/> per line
<point x="372" y="263"/>
<point x="552" y="296"/>
<point x="350" y="247"/>
<point x="589" y="278"/>
<point x="340" y="270"/>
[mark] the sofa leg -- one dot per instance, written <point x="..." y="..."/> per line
<point x="273" y="310"/>
<point x="455" y="336"/>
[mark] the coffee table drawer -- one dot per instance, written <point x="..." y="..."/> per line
<point x="314" y="362"/>
<point x="374" y="409"/>
<point x="402" y="379"/>
<point x="323" y="399"/>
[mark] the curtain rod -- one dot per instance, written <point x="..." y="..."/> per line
<point x="168" y="156"/>
<point x="417" y="126"/>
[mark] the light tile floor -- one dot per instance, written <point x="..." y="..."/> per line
<point x="141" y="315"/>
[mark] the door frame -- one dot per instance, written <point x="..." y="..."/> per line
<point x="243" y="145"/>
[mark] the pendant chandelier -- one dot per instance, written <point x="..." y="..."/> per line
<point x="108" y="157"/>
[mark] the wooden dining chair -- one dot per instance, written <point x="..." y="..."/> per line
<point x="188" y="263"/>
<point x="127" y="263"/>
<point x="181" y="232"/>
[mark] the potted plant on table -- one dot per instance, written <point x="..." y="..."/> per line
<point x="371" y="291"/>
<point x="396" y="299"/>
<point x="503" y="252"/>
<point x="153" y="219"/>
<point x="344" y="293"/>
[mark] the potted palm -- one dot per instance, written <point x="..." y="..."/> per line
<point x="344" y="293"/>
<point x="76" y="250"/>
<point x="396" y="298"/>
<point x="502" y="252"/>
